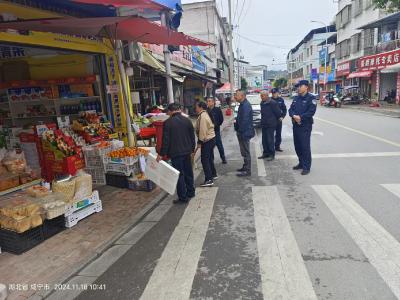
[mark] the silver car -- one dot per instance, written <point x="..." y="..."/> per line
<point x="255" y="101"/>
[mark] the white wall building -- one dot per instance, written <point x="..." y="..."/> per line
<point x="202" y="20"/>
<point x="240" y="71"/>
<point x="303" y="58"/>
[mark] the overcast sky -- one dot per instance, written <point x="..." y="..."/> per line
<point x="280" y="23"/>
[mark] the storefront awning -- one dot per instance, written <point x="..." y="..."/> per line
<point x="226" y="88"/>
<point x="151" y="61"/>
<point x="361" y="74"/>
<point x="392" y="69"/>
<point x="138" y="4"/>
<point x="135" y="29"/>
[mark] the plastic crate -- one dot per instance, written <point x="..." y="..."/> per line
<point x="94" y="162"/>
<point x="53" y="227"/>
<point x="117" y="180"/>
<point x="71" y="208"/>
<point x="145" y="185"/>
<point x="130" y="160"/>
<point x="126" y="170"/>
<point x="83" y="213"/>
<point x="91" y="151"/>
<point x="98" y="175"/>
<point x="18" y="243"/>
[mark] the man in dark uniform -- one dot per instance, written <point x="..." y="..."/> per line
<point x="282" y="107"/>
<point x="270" y="114"/>
<point x="218" y="117"/>
<point x="302" y="111"/>
<point x="178" y="143"/>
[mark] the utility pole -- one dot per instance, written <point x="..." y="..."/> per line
<point x="239" y="86"/>
<point x="231" y="72"/>
<point x="167" y="61"/>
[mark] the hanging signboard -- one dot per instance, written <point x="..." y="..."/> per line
<point x="379" y="61"/>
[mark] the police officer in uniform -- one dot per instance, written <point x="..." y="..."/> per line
<point x="302" y="111"/>
<point x="282" y="107"/>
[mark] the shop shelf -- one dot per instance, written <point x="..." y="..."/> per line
<point x="77" y="99"/>
<point x="53" y="227"/>
<point x="73" y="219"/>
<point x="18" y="243"/>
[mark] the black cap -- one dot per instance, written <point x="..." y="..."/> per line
<point x="274" y="90"/>
<point x="303" y="82"/>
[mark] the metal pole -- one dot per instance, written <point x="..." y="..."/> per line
<point x="326" y="55"/>
<point x="167" y="61"/>
<point x="231" y="74"/>
<point x="121" y="67"/>
<point x="239" y="85"/>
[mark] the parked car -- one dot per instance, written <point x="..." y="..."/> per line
<point x="255" y="101"/>
<point x="285" y="93"/>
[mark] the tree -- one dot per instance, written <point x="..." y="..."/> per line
<point x="280" y="83"/>
<point x="243" y="83"/>
<point x="389" y="5"/>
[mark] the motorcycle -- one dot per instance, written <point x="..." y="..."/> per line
<point x="332" y="101"/>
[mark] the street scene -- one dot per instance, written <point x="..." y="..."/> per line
<point x="199" y="149"/>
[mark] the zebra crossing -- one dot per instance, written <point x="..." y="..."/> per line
<point x="282" y="269"/>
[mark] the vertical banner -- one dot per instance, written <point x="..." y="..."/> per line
<point x="378" y="84"/>
<point x="115" y="93"/>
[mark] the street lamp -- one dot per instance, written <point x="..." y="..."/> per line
<point x="326" y="48"/>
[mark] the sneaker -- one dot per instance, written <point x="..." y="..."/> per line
<point x="215" y="177"/>
<point x="262" y="156"/>
<point x="207" y="183"/>
<point x="305" y="172"/>
<point x="244" y="174"/>
<point x="240" y="170"/>
<point x="297" y="167"/>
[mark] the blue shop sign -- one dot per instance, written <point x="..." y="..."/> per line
<point x="169" y="3"/>
<point x="198" y="58"/>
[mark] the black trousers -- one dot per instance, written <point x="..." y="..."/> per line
<point x="244" y="145"/>
<point x="207" y="159"/>
<point x="220" y="146"/>
<point x="268" y="141"/>
<point x="278" y="135"/>
<point x="185" y="187"/>
<point x="302" y="144"/>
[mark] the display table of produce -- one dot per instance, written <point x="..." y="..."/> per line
<point x="21" y="187"/>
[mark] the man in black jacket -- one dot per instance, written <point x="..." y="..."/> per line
<point x="282" y="107"/>
<point x="178" y="143"/>
<point x="218" y="119"/>
<point x="270" y="114"/>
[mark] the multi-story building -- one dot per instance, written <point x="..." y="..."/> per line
<point x="257" y="77"/>
<point x="303" y="61"/>
<point x="202" y="20"/>
<point x="353" y="43"/>
<point x="240" y="71"/>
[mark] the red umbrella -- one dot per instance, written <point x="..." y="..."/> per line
<point x="138" y="4"/>
<point x="135" y="29"/>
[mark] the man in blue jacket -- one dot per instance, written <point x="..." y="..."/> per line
<point x="302" y="111"/>
<point x="282" y="107"/>
<point x="245" y="131"/>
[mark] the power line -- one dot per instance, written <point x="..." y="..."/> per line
<point x="264" y="44"/>
<point x="241" y="11"/>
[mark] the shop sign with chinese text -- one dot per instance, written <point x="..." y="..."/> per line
<point x="379" y="61"/>
<point x="343" y="69"/>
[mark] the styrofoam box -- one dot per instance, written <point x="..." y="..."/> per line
<point x="71" y="208"/>
<point x="73" y="219"/>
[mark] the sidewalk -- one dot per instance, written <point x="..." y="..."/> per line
<point x="392" y="110"/>
<point x="60" y="257"/>
<point x="53" y="261"/>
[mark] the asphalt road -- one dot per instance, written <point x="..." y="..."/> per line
<point x="333" y="234"/>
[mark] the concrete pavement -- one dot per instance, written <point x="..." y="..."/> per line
<point x="277" y="235"/>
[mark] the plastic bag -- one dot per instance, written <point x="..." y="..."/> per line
<point x="14" y="162"/>
<point x="83" y="186"/>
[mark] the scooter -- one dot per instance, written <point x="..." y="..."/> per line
<point x="332" y="101"/>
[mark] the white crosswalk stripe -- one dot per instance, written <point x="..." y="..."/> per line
<point x="283" y="273"/>
<point x="393" y="188"/>
<point x="378" y="245"/>
<point x="173" y="276"/>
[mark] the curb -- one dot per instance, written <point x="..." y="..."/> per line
<point x="108" y="244"/>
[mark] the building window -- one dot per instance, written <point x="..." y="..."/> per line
<point x="343" y="17"/>
<point x="356" y="43"/>
<point x="311" y="50"/>
<point x="357" y="7"/>
<point x="369" y="37"/>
